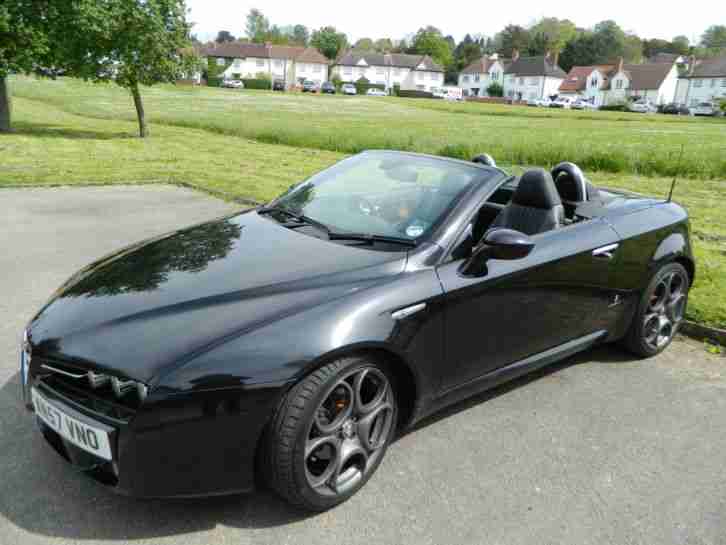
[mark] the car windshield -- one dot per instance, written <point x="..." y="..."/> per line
<point x="383" y="194"/>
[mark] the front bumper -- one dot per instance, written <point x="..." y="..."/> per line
<point x="196" y="444"/>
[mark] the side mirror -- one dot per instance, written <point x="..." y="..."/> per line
<point x="505" y="244"/>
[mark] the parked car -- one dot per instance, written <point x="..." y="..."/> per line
<point x="309" y="86"/>
<point x="290" y="343"/>
<point x="642" y="107"/>
<point x="707" y="109"/>
<point x="278" y="85"/>
<point x="349" y="89"/>
<point x="674" y="109"/>
<point x="562" y="102"/>
<point x="540" y="102"/>
<point x="438" y="92"/>
<point x="327" y="87"/>
<point x="232" y="84"/>
<point x="375" y="92"/>
<point x="582" y="104"/>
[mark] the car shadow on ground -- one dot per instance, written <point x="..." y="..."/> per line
<point x="41" y="494"/>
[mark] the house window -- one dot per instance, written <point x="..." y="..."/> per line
<point x="477" y="78"/>
<point x="619" y="84"/>
<point x="420" y="75"/>
<point x="521" y="81"/>
<point x="260" y="63"/>
<point x="698" y="83"/>
<point x="723" y="83"/>
<point x="495" y="76"/>
<point x="317" y="68"/>
<point x="533" y="81"/>
<point x="713" y="83"/>
<point x="348" y="71"/>
<point x="396" y="71"/>
<point x="303" y="67"/>
<point x="237" y="63"/>
<point x="220" y="61"/>
<point x="465" y="79"/>
<point x="380" y="71"/>
<point x="593" y="82"/>
<point x="433" y="76"/>
<point x="421" y="87"/>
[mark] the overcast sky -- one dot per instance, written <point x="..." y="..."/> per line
<point x="392" y="19"/>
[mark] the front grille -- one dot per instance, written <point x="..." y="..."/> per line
<point x="103" y="394"/>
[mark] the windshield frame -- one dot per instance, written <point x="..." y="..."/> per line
<point x="483" y="175"/>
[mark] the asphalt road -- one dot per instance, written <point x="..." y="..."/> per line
<point x="600" y="449"/>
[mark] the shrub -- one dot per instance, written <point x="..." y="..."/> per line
<point x="397" y="89"/>
<point x="495" y="90"/>
<point x="414" y="94"/>
<point x="362" y="85"/>
<point x="257" y="83"/>
<point x="615" y="107"/>
<point x="214" y="82"/>
<point x="335" y="80"/>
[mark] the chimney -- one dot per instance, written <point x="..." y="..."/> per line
<point x="620" y="64"/>
<point x="515" y="55"/>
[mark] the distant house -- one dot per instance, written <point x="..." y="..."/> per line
<point x="410" y="72"/>
<point x="609" y="84"/>
<point x="292" y="64"/>
<point x="531" y="78"/>
<point x="479" y="75"/>
<point x="704" y="82"/>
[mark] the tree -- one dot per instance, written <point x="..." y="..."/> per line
<point x="714" y="39"/>
<point x="681" y="45"/>
<point x="329" y="41"/>
<point x="609" y="41"/>
<point x="633" y="49"/>
<point x="551" y="34"/>
<point x="384" y="45"/>
<point x="429" y="41"/>
<point x="582" y="51"/>
<point x="24" y="45"/>
<point x="224" y="36"/>
<point x="513" y="37"/>
<point x="257" y="26"/>
<point x="132" y="42"/>
<point x="495" y="90"/>
<point x="364" y="44"/>
<point x="300" y="35"/>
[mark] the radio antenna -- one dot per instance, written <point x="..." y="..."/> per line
<point x="678" y="170"/>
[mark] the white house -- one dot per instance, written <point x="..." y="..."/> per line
<point x="610" y="84"/>
<point x="292" y="64"/>
<point x="704" y="82"/>
<point x="410" y="72"/>
<point x="531" y="78"/>
<point x="479" y="75"/>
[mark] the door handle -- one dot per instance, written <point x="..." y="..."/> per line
<point x="606" y="252"/>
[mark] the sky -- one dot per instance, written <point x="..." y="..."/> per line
<point x="390" y="19"/>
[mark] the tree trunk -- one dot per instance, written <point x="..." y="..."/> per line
<point x="5" y="105"/>
<point x="143" y="130"/>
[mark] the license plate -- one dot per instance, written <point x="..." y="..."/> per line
<point x="89" y="438"/>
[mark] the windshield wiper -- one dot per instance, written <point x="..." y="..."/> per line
<point x="299" y="217"/>
<point x="371" y="238"/>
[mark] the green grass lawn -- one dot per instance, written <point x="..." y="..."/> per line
<point x="230" y="142"/>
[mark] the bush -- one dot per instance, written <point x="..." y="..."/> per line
<point x="414" y="94"/>
<point x="335" y="80"/>
<point x="723" y="105"/>
<point x="615" y="107"/>
<point x="214" y="82"/>
<point x="495" y="90"/>
<point x="257" y="83"/>
<point x="397" y="89"/>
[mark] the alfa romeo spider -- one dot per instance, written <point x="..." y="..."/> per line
<point x="288" y="344"/>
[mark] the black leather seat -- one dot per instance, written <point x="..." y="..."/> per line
<point x="573" y="188"/>
<point x="536" y="206"/>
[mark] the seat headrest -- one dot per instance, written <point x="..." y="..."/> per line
<point x="570" y="182"/>
<point x="536" y="190"/>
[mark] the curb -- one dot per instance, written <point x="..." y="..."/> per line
<point x="701" y="332"/>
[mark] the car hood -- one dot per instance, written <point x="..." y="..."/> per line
<point x="150" y="305"/>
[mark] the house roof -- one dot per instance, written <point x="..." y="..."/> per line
<point x="644" y="77"/>
<point x="709" y="68"/>
<point x="664" y="57"/>
<point x="535" y="66"/>
<point x="239" y="50"/>
<point x="399" y="60"/>
<point x="576" y="80"/>
<point x="480" y="66"/>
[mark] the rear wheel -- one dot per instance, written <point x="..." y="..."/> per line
<point x="331" y="433"/>
<point x="660" y="312"/>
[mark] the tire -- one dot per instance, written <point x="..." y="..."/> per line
<point x="660" y="312"/>
<point x="330" y="433"/>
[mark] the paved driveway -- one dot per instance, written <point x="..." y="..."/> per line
<point x="601" y="449"/>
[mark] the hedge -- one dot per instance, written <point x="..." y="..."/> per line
<point x="362" y="88"/>
<point x="257" y="83"/>
<point x="414" y="94"/>
<point x="214" y="82"/>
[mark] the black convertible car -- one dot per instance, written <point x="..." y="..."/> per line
<point x="289" y="343"/>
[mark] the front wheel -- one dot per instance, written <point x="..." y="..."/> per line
<point x="331" y="433"/>
<point x="660" y="312"/>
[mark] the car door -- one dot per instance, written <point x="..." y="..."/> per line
<point x="561" y="291"/>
